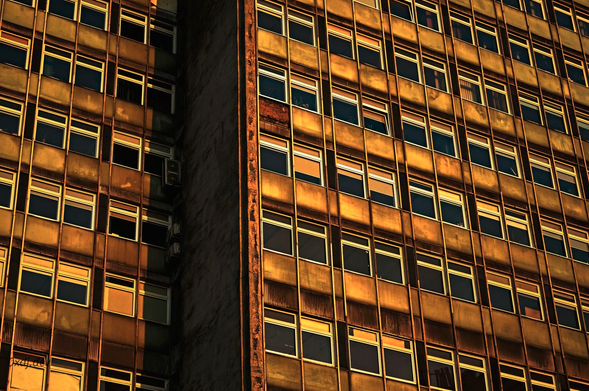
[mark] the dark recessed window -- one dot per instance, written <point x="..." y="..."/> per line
<point x="126" y="151"/>
<point x="427" y="15"/>
<point x="513" y="378"/>
<point x="415" y="131"/>
<point x="443" y="140"/>
<point x="79" y="209"/>
<point x="94" y="14"/>
<point x="369" y="51"/>
<point x="340" y="42"/>
<point x="272" y="83"/>
<point x="487" y="37"/>
<point x="534" y="8"/>
<point x="154" y="229"/>
<point x="555" y="117"/>
<point x="530" y="109"/>
<point x="517" y="227"/>
<point x="575" y="70"/>
<point x="57" y="63"/>
<point x="461" y="27"/>
<point x="317" y="341"/>
<point x="277" y="232"/>
<point x="64" y="8"/>
<point x="541" y="171"/>
<point x="364" y="351"/>
<point x="160" y="96"/>
<point x="497" y="96"/>
<point x="566" y="310"/>
<point x="470" y="87"/>
<point x="270" y="17"/>
<point x="579" y="241"/>
<point x="274" y="155"/>
<point x="304" y="93"/>
<point x="490" y="221"/>
<point x="345" y="107"/>
<point x="7" y="181"/>
<point x="37" y="276"/>
<point x="441" y="369"/>
<point x="567" y="179"/>
<point x="280" y="332"/>
<point x="14" y="50"/>
<point x="356" y="254"/>
<point x="500" y="292"/>
<point x="301" y="28"/>
<point x="351" y="178"/>
<point x="10" y="116"/>
<point x="520" y="50"/>
<point x="452" y="208"/>
<point x="408" y="65"/>
<point x="398" y="359"/>
<point x="431" y="274"/>
<point x="312" y="242"/>
<point x="529" y="298"/>
<point x="44" y="199"/>
<point x="554" y="238"/>
<point x="130" y="86"/>
<point x="461" y="282"/>
<point x="133" y="26"/>
<point x="435" y="74"/>
<point x="564" y="17"/>
<point x="73" y="284"/>
<point x="480" y="151"/>
<point x="544" y="59"/>
<point x="422" y="199"/>
<point x="402" y="9"/>
<point x="89" y="73"/>
<point x="123" y="220"/>
<point x="162" y="35"/>
<point x="389" y="263"/>
<point x="51" y="128"/>
<point x="375" y="116"/>
<point x="473" y="373"/>
<point x="84" y="138"/>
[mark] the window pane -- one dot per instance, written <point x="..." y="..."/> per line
<point x="350" y="185"/>
<point x="312" y="247"/>
<point x="125" y="156"/>
<point x="472" y="380"/>
<point x="554" y="244"/>
<point x="564" y="20"/>
<point x="576" y="74"/>
<point x="507" y="164"/>
<point x="513" y="385"/>
<point x="132" y="31"/>
<point x="36" y="283"/>
<point x="270" y="22"/>
<point x="123" y="228"/>
<point x="500" y="298"/>
<point x="376" y="124"/>
<point x="345" y="111"/>
<point x="108" y="386"/>
<point x="567" y="184"/>
<point x="534" y="8"/>
<point x="490" y="226"/>
<point x="389" y="268"/>
<point x="56" y="68"/>
<point x="497" y="100"/>
<point x="401" y="9"/>
<point x="272" y="88"/>
<point x="423" y="205"/>
<point x="461" y="287"/>
<point x="520" y="53"/>
<point x="154" y="309"/>
<point x="443" y="143"/>
<point x="92" y="17"/>
<point x="277" y="238"/>
<point x="9" y="123"/>
<point x="364" y="357"/>
<point x="369" y="56"/>
<point x="13" y="56"/>
<point x="340" y="46"/>
<point x="78" y="216"/>
<point x="5" y="195"/>
<point x="161" y="40"/>
<point x="317" y="347"/>
<point x="461" y="31"/>
<point x="427" y="18"/>
<point x="518" y="235"/>
<point x="435" y="78"/>
<point x="555" y="121"/>
<point x="273" y="160"/>
<point x="407" y="69"/>
<point x="441" y="375"/>
<point x="415" y="134"/>
<point x="480" y="155"/>
<point x="83" y="144"/>
<point x="43" y="206"/>
<point x="544" y="62"/>
<point x="68" y="291"/>
<point x="280" y="339"/>
<point x="304" y="99"/>
<point x="356" y="259"/>
<point x="154" y="234"/>
<point x="300" y="32"/>
<point x="452" y="213"/>
<point x="130" y="91"/>
<point x="398" y="365"/>
<point x="88" y="78"/>
<point x="530" y="306"/>
<point x="48" y="134"/>
<point x="531" y="113"/>
<point x="431" y="279"/>
<point x="159" y="100"/>
<point x="542" y="176"/>
<point x="487" y="41"/>
<point x="567" y="316"/>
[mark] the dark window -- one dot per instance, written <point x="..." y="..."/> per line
<point x="130" y="87"/>
<point x="303" y="93"/>
<point x="345" y="109"/>
<point x="534" y="8"/>
<point x="530" y="110"/>
<point x="270" y="17"/>
<point x="517" y="227"/>
<point x="513" y="3"/>
<point x="542" y="173"/>
<point x="579" y="246"/>
<point x="544" y="60"/>
<point x="369" y="56"/>
<point x="312" y="242"/>
<point x="277" y="233"/>
<point x="317" y="347"/>
<point x="564" y="18"/>
<point x="153" y="233"/>
<point x="513" y="384"/>
<point x="78" y="209"/>
<point x="64" y="8"/>
<point x="300" y="28"/>
<point x="272" y="83"/>
<point x="160" y="96"/>
<point x="382" y="187"/>
<point x="575" y="71"/>
<point x="452" y="208"/>
<point x="474" y="375"/>
<point x="161" y="35"/>
<point x="356" y="254"/>
<point x="490" y="220"/>
<point x="35" y="282"/>
<point x="431" y="273"/>
<point x="280" y="332"/>
<point x="583" y="26"/>
<point x="506" y="160"/>
<point x="427" y="15"/>
<point x="10" y="116"/>
<point x="435" y="74"/>
<point x="6" y="185"/>
<point x="50" y="129"/>
<point x="529" y="300"/>
<point x="415" y="133"/>
<point x="583" y="125"/>
<point x="496" y="97"/>
<point x="44" y="200"/>
<point x="554" y="240"/>
<point x="520" y="50"/>
<point x="402" y="9"/>
<point x="566" y="310"/>
<point x="351" y="178"/>
<point x="125" y="156"/>
<point x="376" y="121"/>
<point x="461" y="27"/>
<point x="500" y="292"/>
<point x="398" y="359"/>
<point x="470" y="87"/>
<point x="443" y="141"/>
<point x="14" y="50"/>
<point x="89" y="73"/>
<point x="480" y="153"/>
<point x="422" y="199"/>
<point x="407" y="65"/>
<point x="364" y="353"/>
<point x="567" y="181"/>
<point x="133" y="26"/>
<point x="441" y="369"/>
<point x="57" y="63"/>
<point x="83" y="138"/>
<point x="487" y="37"/>
<point x="123" y="225"/>
<point x="93" y="16"/>
<point x="461" y="282"/>
<point x="555" y="118"/>
<point x="341" y="46"/>
<point x="389" y="263"/>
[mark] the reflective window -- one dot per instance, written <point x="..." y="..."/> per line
<point x="44" y="199"/>
<point x="473" y="373"/>
<point x="480" y="151"/>
<point x="389" y="263"/>
<point x="490" y="221"/>
<point x="415" y="130"/>
<point x="554" y="238"/>
<point x="541" y="171"/>
<point x="497" y="96"/>
<point x="272" y="83"/>
<point x="73" y="284"/>
<point x="408" y="65"/>
<point x="280" y="332"/>
<point x="529" y="297"/>
<point x="431" y="273"/>
<point x="462" y="284"/>
<point x="317" y="341"/>
<point x="507" y="159"/>
<point x="340" y="41"/>
<point x="274" y="155"/>
<point x="461" y="27"/>
<point x="79" y="208"/>
<point x="441" y="369"/>
<point x="345" y="107"/>
<point x="304" y="93"/>
<point x="518" y="227"/>
<point x="312" y="242"/>
<point x="350" y="177"/>
<point x="356" y="254"/>
<point x="269" y="17"/>
<point x="399" y="359"/>
<point x="364" y="351"/>
<point x="277" y="233"/>
<point x="422" y="199"/>
<point x="301" y="27"/>
<point x="37" y="276"/>
<point x="566" y="310"/>
<point x="369" y="51"/>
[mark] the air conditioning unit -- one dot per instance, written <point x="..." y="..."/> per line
<point x="174" y="233"/>
<point x="173" y="253"/>
<point x="171" y="172"/>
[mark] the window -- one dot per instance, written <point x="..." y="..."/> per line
<point x="312" y="242"/>
<point x="575" y="70"/>
<point x="369" y="51"/>
<point x="317" y="341"/>
<point x="28" y="372"/>
<point x="555" y="117"/>
<point x="567" y="179"/>
<point x="66" y="374"/>
<point x="585" y="311"/>
<point x="461" y="27"/>
<point x="73" y="284"/>
<point x="583" y="124"/>
<point x="461" y="282"/>
<point x="490" y="221"/>
<point x="270" y="17"/>
<point x="541" y="171"/>
<point x="470" y="87"/>
<point x="37" y="276"/>
<point x="356" y="254"/>
<point x="123" y="220"/>
<point x="579" y="241"/>
<point x="44" y="199"/>
<point x="431" y="273"/>
<point x="443" y="139"/>
<point x="145" y="383"/>
<point x="57" y="63"/>
<point x="399" y="359"/>
<point x="370" y="3"/>
<point x="507" y="159"/>
<point x="497" y="96"/>
<point x="65" y="8"/>
<point x="414" y="130"/>
<point x="542" y="382"/>
<point x="576" y="386"/>
<point x="280" y="332"/>
<point x="7" y="182"/>
<point x="473" y="373"/>
<point x="301" y="28"/>
<point x="160" y="95"/>
<point x="364" y="351"/>
<point x="51" y="128"/>
<point x="553" y="238"/>
<point x="162" y="35"/>
<point x="308" y="165"/>
<point x="126" y="150"/>
<point x="14" y="50"/>
<point x="513" y="378"/>
<point x="350" y="177"/>
<point x="427" y="15"/>
<point x="155" y="157"/>
<point x="544" y="58"/>
<point x="566" y="310"/>
<point x="79" y="209"/>
<point x="422" y="199"/>
<point x="402" y="9"/>
<point x="520" y="49"/>
<point x="518" y="227"/>
<point x="304" y="93"/>
<point x="113" y="379"/>
<point x="94" y="13"/>
<point x="530" y="300"/>
<point x="133" y="26"/>
<point x="119" y="295"/>
<point x="487" y="37"/>
<point x="274" y="155"/>
<point x="441" y="369"/>
<point x="389" y="263"/>
<point x="154" y="303"/>
<point x="435" y="74"/>
<point x="340" y="41"/>
<point x="84" y="138"/>
<point x="408" y="65"/>
<point x="10" y="116"/>
<point x="272" y="83"/>
<point x="382" y="187"/>
<point x="130" y="86"/>
<point x="534" y="8"/>
<point x="154" y="228"/>
<point x="530" y="108"/>
<point x="30" y="3"/>
<point x="513" y="3"/>
<point x="345" y="106"/>
<point x="500" y="292"/>
<point x="480" y="151"/>
<point x="452" y="208"/>
<point x="376" y="116"/>
<point x="277" y="233"/>
<point x="564" y="17"/>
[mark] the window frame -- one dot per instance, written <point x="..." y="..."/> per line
<point x="163" y="27"/>
<point x="4" y="102"/>
<point x="482" y="369"/>
<point x="551" y="228"/>
<point x="522" y="43"/>
<point x="152" y="217"/>
<point x="65" y="273"/>
<point x="346" y="97"/>
<point x="513" y="377"/>
<point x="533" y="291"/>
<point x="557" y="110"/>
<point x="12" y="182"/>
<point x="416" y="121"/>
<point x="371" y="44"/>
<point x="307" y="327"/>
<point x="481" y="142"/>
<point x="343" y="34"/>
<point x="300" y="152"/>
<point x="492" y="211"/>
<point x="303" y="83"/>
<point x="544" y="164"/>
<point x="167" y="298"/>
<point x="135" y="18"/>
<point x="110" y="285"/>
<point x="489" y="30"/>
<point x="75" y="129"/>
<point x="378" y="175"/>
<point x="59" y="56"/>
<point x="365" y="247"/>
<point x="274" y="73"/>
<point x="507" y="151"/>
<point x="40" y="266"/>
<point x="576" y="235"/>
<point x="316" y="234"/>
<point x="353" y="168"/>
<point x="431" y="7"/>
<point x="77" y="200"/>
<point x="375" y="108"/>
<point x="412" y="57"/>
<point x="461" y="19"/>
<point x="439" y="268"/>
<point x="92" y="4"/>
<point x="576" y="63"/>
<point x="267" y="218"/>
<point x="114" y="380"/>
<point x="47" y="190"/>
<point x="17" y="42"/>
<point x="131" y="79"/>
<point x="53" y="123"/>
<point x="567" y="11"/>
<point x="464" y="275"/>
<point x="447" y="130"/>
<point x="547" y="52"/>
<point x="299" y="17"/>
<point x="570" y="171"/>
<point x="433" y="64"/>
<point x="442" y="360"/>
<point x="500" y="89"/>
<point x="68" y="371"/>
<point x="515" y="221"/>
<point x="277" y="145"/>
<point x="473" y="79"/>
<point x="560" y="298"/>
<point x="123" y="209"/>
<point x="278" y="322"/>
<point x="456" y="199"/>
<point x="83" y="61"/>
<point x="388" y="344"/>
<point x="425" y="193"/>
<point x="158" y="84"/>
<point x="379" y="248"/>
<point x="272" y="9"/>
<point x="123" y="139"/>
<point x="365" y="341"/>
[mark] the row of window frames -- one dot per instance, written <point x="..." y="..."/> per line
<point x="365" y="349"/>
<point x="132" y="25"/>
<point x="28" y="368"/>
<point x="38" y="277"/>
<point x="89" y="73"/>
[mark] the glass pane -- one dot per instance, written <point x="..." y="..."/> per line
<point x="472" y="380"/>
<point x="581" y="255"/>
<point x="518" y="235"/>
<point x="108" y="386"/>
<point x="431" y="279"/>
<point x="133" y="31"/>
<point x="356" y="259"/>
<point x="369" y="56"/>
<point x="513" y="385"/>
<point x="159" y="100"/>
<point x="153" y="164"/>
<point x="462" y="32"/>
<point x="304" y="99"/>
<point x="530" y="306"/>
<point x="441" y="375"/>
<point x="500" y="298"/>
<point x="300" y="32"/>
<point x="63" y="8"/>
<point x="155" y="309"/>
<point x="497" y="100"/>
<point x="77" y="216"/>
<point x="490" y="226"/>
<point x="435" y="78"/>
<point x="555" y="121"/>
<point x="161" y="40"/>
<point x="423" y="205"/>
<point x="42" y="206"/>
<point x="389" y="268"/>
<point x="312" y="248"/>
<point x="277" y="238"/>
<point x="542" y="176"/>
<point x="531" y="113"/>
<point x="568" y="185"/>
<point x="27" y="377"/>
<point x="13" y="56"/>
<point x="5" y="195"/>
<point x="9" y="123"/>
<point x="407" y="69"/>
<point x="462" y="287"/>
<point x="382" y="198"/>
<point x="401" y="9"/>
<point x="280" y="339"/>
<point x="270" y="22"/>
<point x="125" y="156"/>
<point x="273" y="160"/>
<point x="567" y="316"/>
<point x="154" y="234"/>
<point x="56" y="68"/>
<point x="119" y="301"/>
<point x="576" y="74"/>
<point x="83" y="144"/>
<point x="130" y="91"/>
<point x="415" y="134"/>
<point x="317" y="347"/>
<point x="564" y="20"/>
<point x="544" y="62"/>
<point x="92" y="17"/>
<point x="36" y="283"/>
<point x="49" y="134"/>
<point x="364" y="357"/>
<point x="345" y="111"/>
<point x="554" y="245"/>
<point x="487" y="41"/>
<point x="75" y="293"/>
<point x="507" y="164"/>
<point x="376" y="125"/>
<point x="272" y="88"/>
<point x="533" y="8"/>
<point x="452" y="213"/>
<point x="443" y="143"/>
<point x="520" y="53"/>
<point x="340" y="46"/>
<point x="350" y="185"/>
<point x="122" y="228"/>
<point x="427" y="18"/>
<point x="398" y="365"/>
